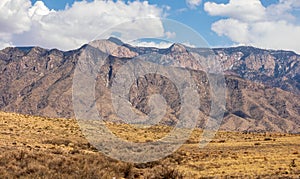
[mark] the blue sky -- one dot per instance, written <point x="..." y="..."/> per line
<point x="195" y="18"/>
<point x="262" y="23"/>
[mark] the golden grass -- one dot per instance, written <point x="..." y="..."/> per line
<point x="38" y="147"/>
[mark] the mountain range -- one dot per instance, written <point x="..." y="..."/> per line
<point x="263" y="86"/>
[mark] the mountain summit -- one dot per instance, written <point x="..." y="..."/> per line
<point x="263" y="86"/>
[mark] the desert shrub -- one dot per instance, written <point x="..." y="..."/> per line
<point x="64" y="142"/>
<point x="162" y="172"/>
<point x="293" y="163"/>
<point x="168" y="172"/>
<point x="146" y="165"/>
<point x="268" y="139"/>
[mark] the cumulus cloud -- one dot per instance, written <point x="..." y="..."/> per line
<point x="13" y="17"/>
<point x="250" y="23"/>
<point x="250" y="10"/>
<point x="238" y="30"/>
<point x="193" y="3"/>
<point x="25" y="24"/>
<point x="38" y="10"/>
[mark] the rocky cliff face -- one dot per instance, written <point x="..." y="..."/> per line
<point x="262" y="85"/>
<point x="272" y="68"/>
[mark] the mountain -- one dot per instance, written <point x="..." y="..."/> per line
<point x="272" y="68"/>
<point x="262" y="85"/>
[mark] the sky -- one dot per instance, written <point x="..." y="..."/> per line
<point x="68" y="24"/>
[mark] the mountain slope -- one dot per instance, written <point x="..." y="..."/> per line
<point x="273" y="68"/>
<point x="39" y="82"/>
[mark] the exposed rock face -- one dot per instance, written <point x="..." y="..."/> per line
<point x="114" y="49"/>
<point x="272" y="68"/>
<point x="263" y="86"/>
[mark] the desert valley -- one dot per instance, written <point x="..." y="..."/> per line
<point x="258" y="137"/>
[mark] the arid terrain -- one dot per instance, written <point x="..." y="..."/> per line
<point x="258" y="137"/>
<point x="39" y="147"/>
<point x="147" y="89"/>
<point x="262" y="85"/>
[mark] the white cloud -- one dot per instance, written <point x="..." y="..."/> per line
<point x="170" y="35"/>
<point x="181" y="10"/>
<point x="77" y="24"/>
<point x="238" y="30"/>
<point x="250" y="10"/>
<point x="282" y="9"/>
<point x="13" y="17"/>
<point x="250" y="23"/>
<point x="39" y="10"/>
<point x="193" y="3"/>
<point x="151" y="44"/>
<point x="158" y="44"/>
<point x="188" y="44"/>
<point x="4" y="44"/>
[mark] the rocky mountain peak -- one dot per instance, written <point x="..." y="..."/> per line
<point x="36" y="51"/>
<point x="114" y="47"/>
<point x="177" y="48"/>
<point x="263" y="85"/>
<point x="116" y="41"/>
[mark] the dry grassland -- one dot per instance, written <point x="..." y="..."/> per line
<point x="38" y="147"/>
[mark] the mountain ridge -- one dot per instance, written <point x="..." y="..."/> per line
<point x="263" y="90"/>
<point x="120" y="43"/>
<point x="227" y="64"/>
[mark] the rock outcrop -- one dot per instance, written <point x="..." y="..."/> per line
<point x="263" y="86"/>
